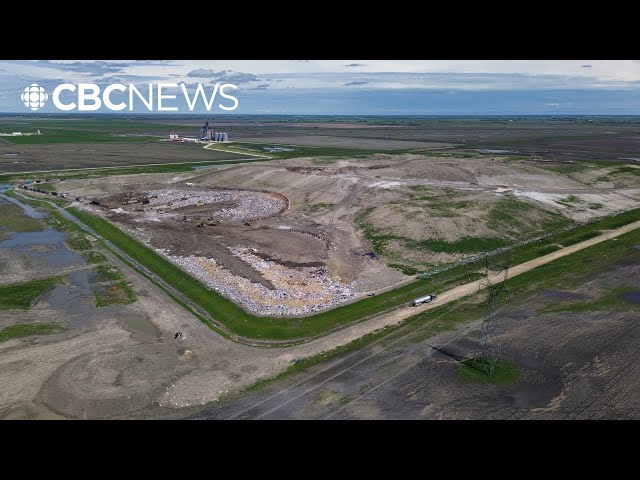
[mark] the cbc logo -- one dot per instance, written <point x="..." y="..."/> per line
<point x="34" y="97"/>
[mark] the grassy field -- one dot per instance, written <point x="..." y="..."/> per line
<point x="13" y="219"/>
<point x="75" y="136"/>
<point x="23" y="295"/>
<point x="83" y="130"/>
<point x="298" y="150"/>
<point x="23" y="330"/>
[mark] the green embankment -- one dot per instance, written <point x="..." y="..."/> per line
<point x="22" y="295"/>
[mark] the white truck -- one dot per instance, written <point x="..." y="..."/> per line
<point x="425" y="299"/>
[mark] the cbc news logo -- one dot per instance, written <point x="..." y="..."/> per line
<point x="34" y="97"/>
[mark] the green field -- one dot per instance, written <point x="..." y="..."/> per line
<point x="299" y="150"/>
<point x="24" y="329"/>
<point x="76" y="136"/>
<point x="83" y="131"/>
<point x="22" y="295"/>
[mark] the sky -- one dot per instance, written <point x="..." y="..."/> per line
<point x="358" y="87"/>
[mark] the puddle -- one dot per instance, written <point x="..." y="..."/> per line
<point x="74" y="301"/>
<point x="633" y="297"/>
<point x="47" y="245"/>
<point x="142" y="329"/>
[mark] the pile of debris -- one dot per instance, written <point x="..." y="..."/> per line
<point x="298" y="291"/>
<point x="247" y="205"/>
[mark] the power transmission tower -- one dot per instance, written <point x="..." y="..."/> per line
<point x="488" y="350"/>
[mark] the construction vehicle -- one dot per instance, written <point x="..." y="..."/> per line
<point x="425" y="299"/>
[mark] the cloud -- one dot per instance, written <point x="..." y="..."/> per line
<point x="355" y="65"/>
<point x="586" y="66"/>
<point x="97" y="68"/>
<point x="355" y="83"/>
<point x="262" y="86"/>
<point x="223" y="76"/>
<point x="203" y="73"/>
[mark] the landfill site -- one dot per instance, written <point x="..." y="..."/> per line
<point x="294" y="237"/>
<point x="319" y="269"/>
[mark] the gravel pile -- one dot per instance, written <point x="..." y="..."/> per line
<point x="297" y="291"/>
<point x="249" y="206"/>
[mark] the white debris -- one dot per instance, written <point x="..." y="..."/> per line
<point x="297" y="291"/>
<point x="118" y="210"/>
<point x="387" y="184"/>
<point x="244" y="205"/>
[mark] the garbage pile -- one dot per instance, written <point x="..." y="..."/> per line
<point x="246" y="205"/>
<point x="297" y="291"/>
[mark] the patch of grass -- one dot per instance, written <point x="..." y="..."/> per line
<point x="566" y="168"/>
<point x="546" y="250"/>
<point x="475" y="370"/>
<point x="628" y="170"/>
<point x="569" y="200"/>
<point x="108" y="272"/>
<point x="23" y="295"/>
<point x="25" y="329"/>
<point x="404" y="269"/>
<point x="595" y="206"/>
<point x="120" y="293"/>
<point x="513" y="214"/>
<point x="581" y="237"/>
<point x="608" y="300"/>
<point x="47" y="187"/>
<point x="317" y="207"/>
<point x="93" y="256"/>
<point x="374" y="235"/>
<point x="79" y="241"/>
<point x="463" y="245"/>
<point x="13" y="218"/>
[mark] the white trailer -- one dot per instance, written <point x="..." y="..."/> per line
<point x="425" y="299"/>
